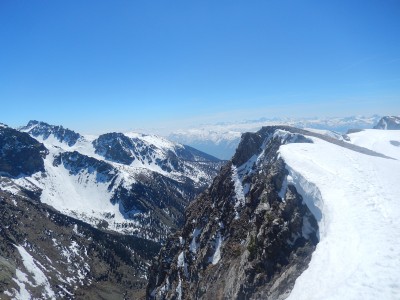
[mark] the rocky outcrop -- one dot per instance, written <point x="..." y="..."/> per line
<point x="44" y="130"/>
<point x="76" y="163"/>
<point x="249" y="236"/>
<point x="388" y="123"/>
<point x="20" y="154"/>
<point x="120" y="148"/>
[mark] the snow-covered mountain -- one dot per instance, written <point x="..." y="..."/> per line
<point x="130" y="183"/>
<point x="295" y="214"/>
<point x="222" y="139"/>
<point x="388" y="123"/>
<point x="83" y="216"/>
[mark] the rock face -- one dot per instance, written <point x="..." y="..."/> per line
<point x="388" y="123"/>
<point x="120" y="148"/>
<point x="248" y="236"/>
<point x="19" y="153"/>
<point x="47" y="255"/>
<point x="44" y="130"/>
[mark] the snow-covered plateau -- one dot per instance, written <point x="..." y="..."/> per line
<point x="355" y="198"/>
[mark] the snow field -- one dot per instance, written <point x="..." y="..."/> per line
<point x="355" y="200"/>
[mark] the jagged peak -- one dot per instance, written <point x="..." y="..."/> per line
<point x="44" y="130"/>
<point x="252" y="143"/>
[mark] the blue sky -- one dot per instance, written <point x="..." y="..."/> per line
<point x="98" y="65"/>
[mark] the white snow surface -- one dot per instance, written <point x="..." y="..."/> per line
<point x="217" y="254"/>
<point x="355" y="200"/>
<point x="382" y="141"/>
<point x="39" y="278"/>
<point x="239" y="193"/>
<point x="193" y="244"/>
<point x="80" y="195"/>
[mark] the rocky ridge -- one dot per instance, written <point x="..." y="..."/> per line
<point x="249" y="236"/>
<point x="19" y="153"/>
<point x="131" y="183"/>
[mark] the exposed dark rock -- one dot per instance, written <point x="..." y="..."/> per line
<point x="115" y="147"/>
<point x="44" y="130"/>
<point x="354" y="130"/>
<point x="119" y="148"/>
<point x="78" y="261"/>
<point x="20" y="154"/>
<point x="229" y="248"/>
<point x="75" y="163"/>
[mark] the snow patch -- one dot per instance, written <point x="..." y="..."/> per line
<point x="283" y="190"/>
<point x="178" y="289"/>
<point x="193" y="244"/>
<point x="39" y="277"/>
<point x="239" y="194"/>
<point x="217" y="253"/>
<point x="182" y="264"/>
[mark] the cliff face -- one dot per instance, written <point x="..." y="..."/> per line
<point x="19" y="153"/>
<point x="249" y="236"/>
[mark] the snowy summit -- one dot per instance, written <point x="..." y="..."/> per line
<point x="355" y="196"/>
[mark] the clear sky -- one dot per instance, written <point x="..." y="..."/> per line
<point x="98" y="65"/>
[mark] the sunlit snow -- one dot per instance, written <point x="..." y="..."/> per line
<point x="355" y="199"/>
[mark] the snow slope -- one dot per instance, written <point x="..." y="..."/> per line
<point x="384" y="141"/>
<point x="355" y="200"/>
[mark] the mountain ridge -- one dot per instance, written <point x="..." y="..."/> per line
<point x="104" y="180"/>
<point x="242" y="239"/>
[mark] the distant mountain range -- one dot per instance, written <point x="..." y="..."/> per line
<point x="222" y="139"/>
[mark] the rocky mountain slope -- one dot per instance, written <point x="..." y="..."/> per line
<point x="48" y="255"/>
<point x="265" y="224"/>
<point x="388" y="123"/>
<point x="248" y="236"/>
<point x="82" y="217"/>
<point x="130" y="183"/>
